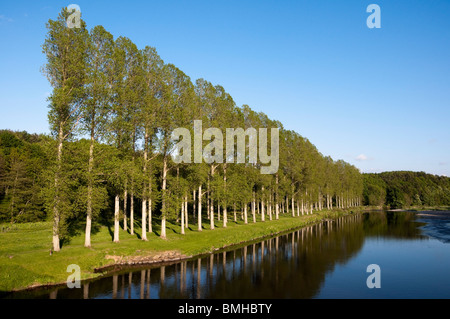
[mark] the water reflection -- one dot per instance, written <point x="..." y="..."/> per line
<point x="292" y="265"/>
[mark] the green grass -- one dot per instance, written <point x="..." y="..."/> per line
<point x="25" y="259"/>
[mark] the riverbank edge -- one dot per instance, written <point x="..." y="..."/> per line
<point x="105" y="271"/>
<point x="129" y="264"/>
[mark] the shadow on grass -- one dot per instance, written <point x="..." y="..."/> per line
<point x="77" y="228"/>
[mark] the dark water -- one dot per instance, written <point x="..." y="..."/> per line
<point x="327" y="260"/>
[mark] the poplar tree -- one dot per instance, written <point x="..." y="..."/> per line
<point x="65" y="50"/>
<point x="152" y="99"/>
<point x="176" y="100"/>
<point x="96" y="106"/>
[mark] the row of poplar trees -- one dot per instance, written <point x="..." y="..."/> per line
<point x="125" y="102"/>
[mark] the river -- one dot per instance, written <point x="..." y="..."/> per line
<point x="326" y="260"/>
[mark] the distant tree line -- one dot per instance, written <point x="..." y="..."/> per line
<point x="111" y="113"/>
<point x="404" y="189"/>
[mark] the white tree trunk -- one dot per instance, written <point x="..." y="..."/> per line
<point x="132" y="214"/>
<point x="254" y="208"/>
<point x="87" y="239"/>
<point x="193" y="203"/>
<point x="56" y="212"/>
<point x="116" y="218"/>
<point x="292" y="206"/>
<point x="269" y="204"/>
<point x="150" y="228"/>
<point x="186" y="220"/>
<point x="144" y="220"/>
<point x="199" y="214"/>
<point x="211" y="216"/>
<point x="164" y="185"/>
<point x="182" y="218"/>
<point x="245" y="214"/>
<point x="263" y="217"/>
<point x="125" y="200"/>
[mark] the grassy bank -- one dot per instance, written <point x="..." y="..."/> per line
<point x="25" y="259"/>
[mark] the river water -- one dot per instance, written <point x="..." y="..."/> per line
<point x="326" y="260"/>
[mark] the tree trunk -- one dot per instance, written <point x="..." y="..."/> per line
<point x="132" y="214"/>
<point x="56" y="212"/>
<point x="293" y="208"/>
<point x="211" y="215"/>
<point x="254" y="208"/>
<point x="263" y="215"/>
<point x="116" y="218"/>
<point x="144" y="190"/>
<point x="277" y="207"/>
<point x="225" y="217"/>
<point x="125" y="200"/>
<point x="186" y="220"/>
<point x="182" y="217"/>
<point x="150" y="207"/>
<point x="164" y="185"/>
<point x="199" y="215"/>
<point x="144" y="220"/>
<point x="208" y="199"/>
<point x="193" y="203"/>
<point x="263" y="218"/>
<point x="245" y="214"/>
<point x="287" y="204"/>
<point x="269" y="204"/>
<point x="87" y="238"/>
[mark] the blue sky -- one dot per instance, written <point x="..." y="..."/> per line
<point x="376" y="98"/>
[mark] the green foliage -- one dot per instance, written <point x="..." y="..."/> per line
<point x="405" y="189"/>
<point x="21" y="167"/>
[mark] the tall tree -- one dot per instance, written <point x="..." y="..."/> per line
<point x="177" y="98"/>
<point x="65" y="50"/>
<point x="152" y="100"/>
<point x="97" y="104"/>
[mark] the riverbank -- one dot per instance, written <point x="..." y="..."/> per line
<point x="408" y="209"/>
<point x="26" y="262"/>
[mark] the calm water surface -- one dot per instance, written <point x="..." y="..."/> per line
<point x="327" y="260"/>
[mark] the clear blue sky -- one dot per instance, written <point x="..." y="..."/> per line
<point x="376" y="98"/>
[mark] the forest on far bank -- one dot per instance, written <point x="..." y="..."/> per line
<point x="402" y="189"/>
